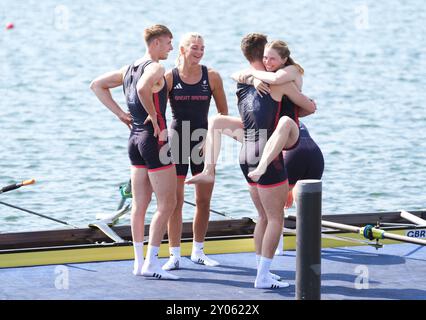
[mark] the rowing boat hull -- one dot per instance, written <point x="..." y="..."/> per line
<point x="227" y="236"/>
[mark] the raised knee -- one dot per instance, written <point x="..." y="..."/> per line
<point x="286" y="124"/>
<point x="285" y="121"/>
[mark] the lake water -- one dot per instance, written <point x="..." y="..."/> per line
<point x="365" y="64"/>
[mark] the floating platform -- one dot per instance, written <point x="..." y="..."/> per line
<point x="396" y="271"/>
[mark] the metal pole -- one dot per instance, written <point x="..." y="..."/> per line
<point x="308" y="240"/>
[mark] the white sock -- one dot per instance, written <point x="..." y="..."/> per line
<point x="263" y="267"/>
<point x="152" y="255"/>
<point x="174" y="260"/>
<point x="273" y="275"/>
<point x="197" y="246"/>
<point x="175" y="251"/>
<point x="199" y="257"/>
<point x="263" y="279"/>
<point x="138" y="263"/>
<point x="152" y="268"/>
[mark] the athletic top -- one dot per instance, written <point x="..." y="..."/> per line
<point x="136" y="109"/>
<point x="257" y="112"/>
<point x="190" y="102"/>
<point x="289" y="109"/>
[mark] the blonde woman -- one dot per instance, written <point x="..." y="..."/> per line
<point x="191" y="86"/>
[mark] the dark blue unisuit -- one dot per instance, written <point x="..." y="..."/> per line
<point x="190" y="105"/>
<point x="306" y="161"/>
<point x="260" y="116"/>
<point x="145" y="150"/>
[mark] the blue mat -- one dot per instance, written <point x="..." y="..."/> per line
<point x="394" y="272"/>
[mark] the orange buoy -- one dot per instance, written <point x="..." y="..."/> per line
<point x="9" y="26"/>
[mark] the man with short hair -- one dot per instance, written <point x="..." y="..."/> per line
<point x="145" y="90"/>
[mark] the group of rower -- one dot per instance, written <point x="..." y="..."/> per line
<point x="276" y="152"/>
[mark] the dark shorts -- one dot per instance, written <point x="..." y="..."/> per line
<point x="186" y="152"/>
<point x="147" y="151"/>
<point x="276" y="173"/>
<point x="304" y="162"/>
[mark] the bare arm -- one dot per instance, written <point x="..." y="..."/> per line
<point x="243" y="76"/>
<point x="303" y="112"/>
<point x="216" y="85"/>
<point x="281" y="76"/>
<point x="145" y="87"/>
<point x="290" y="90"/>
<point x="101" y="87"/>
<point x="169" y="80"/>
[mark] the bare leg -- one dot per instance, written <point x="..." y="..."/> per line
<point x="273" y="200"/>
<point x="175" y="221"/>
<point x="142" y="191"/>
<point x="218" y="125"/>
<point x="174" y="228"/>
<point x="203" y="195"/>
<point x="290" y="199"/>
<point x="262" y="221"/>
<point x="259" y="230"/>
<point x="163" y="183"/>
<point x="284" y="136"/>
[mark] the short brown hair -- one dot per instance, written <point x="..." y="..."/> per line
<point x="253" y="46"/>
<point x="155" y="32"/>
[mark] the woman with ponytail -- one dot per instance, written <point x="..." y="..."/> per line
<point x="276" y="53"/>
<point x="191" y="86"/>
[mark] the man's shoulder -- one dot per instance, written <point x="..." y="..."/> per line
<point x="155" y="68"/>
